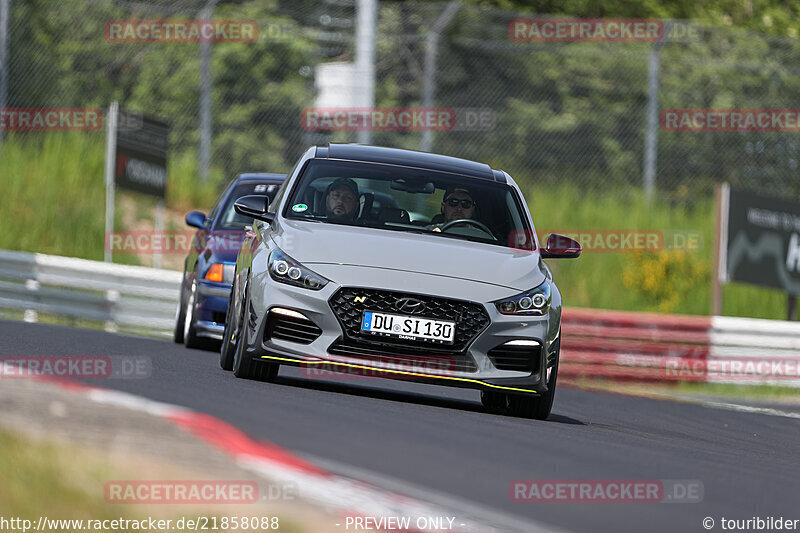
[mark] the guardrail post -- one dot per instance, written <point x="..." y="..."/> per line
<point x="31" y="315"/>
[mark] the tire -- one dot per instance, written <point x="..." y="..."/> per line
<point x="243" y="365"/>
<point x="190" y="338"/>
<point x="536" y="407"/>
<point x="228" y="348"/>
<point x="180" y="318"/>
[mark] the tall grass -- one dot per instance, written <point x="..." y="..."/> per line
<point x="55" y="200"/>
<point x="54" y="195"/>
<point x="614" y="280"/>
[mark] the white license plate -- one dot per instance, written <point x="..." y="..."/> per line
<point x="408" y="327"/>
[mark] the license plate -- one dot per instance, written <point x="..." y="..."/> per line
<point x="408" y="327"/>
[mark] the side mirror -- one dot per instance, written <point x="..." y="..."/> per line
<point x="559" y="246"/>
<point x="254" y="206"/>
<point x="196" y="219"/>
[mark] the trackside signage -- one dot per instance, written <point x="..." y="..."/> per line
<point x="763" y="241"/>
<point x="141" y="160"/>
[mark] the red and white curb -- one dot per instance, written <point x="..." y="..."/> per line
<point x="342" y="490"/>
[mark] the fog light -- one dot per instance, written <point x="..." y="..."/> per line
<point x="507" y="307"/>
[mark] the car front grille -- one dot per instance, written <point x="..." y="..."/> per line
<point x="403" y="357"/>
<point x="287" y="328"/>
<point x="350" y="303"/>
<point x="519" y="358"/>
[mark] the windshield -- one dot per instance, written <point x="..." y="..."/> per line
<point x="396" y="198"/>
<point x="230" y="219"/>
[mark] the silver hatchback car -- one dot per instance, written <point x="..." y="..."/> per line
<point x="386" y="262"/>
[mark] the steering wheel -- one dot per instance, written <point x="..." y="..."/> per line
<point x="471" y="222"/>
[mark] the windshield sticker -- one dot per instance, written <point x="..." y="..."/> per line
<point x="299" y="208"/>
<point x="261" y="187"/>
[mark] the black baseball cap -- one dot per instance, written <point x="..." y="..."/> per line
<point x="343" y="183"/>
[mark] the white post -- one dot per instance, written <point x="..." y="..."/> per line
<point x="205" y="98"/>
<point x="5" y="14"/>
<point x="366" y="20"/>
<point x="431" y="56"/>
<point x="111" y="156"/>
<point x="651" y="132"/>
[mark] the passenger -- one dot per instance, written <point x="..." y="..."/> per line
<point x="341" y="199"/>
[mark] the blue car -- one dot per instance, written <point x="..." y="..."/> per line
<point x="208" y="270"/>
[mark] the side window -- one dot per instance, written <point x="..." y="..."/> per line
<point x="276" y="201"/>
<point x="215" y="210"/>
<point x="521" y="236"/>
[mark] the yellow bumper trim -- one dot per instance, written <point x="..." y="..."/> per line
<point x="403" y="372"/>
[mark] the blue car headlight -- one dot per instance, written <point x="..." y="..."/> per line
<point x="534" y="302"/>
<point x="284" y="269"/>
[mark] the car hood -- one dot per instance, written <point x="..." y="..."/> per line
<point x="320" y="243"/>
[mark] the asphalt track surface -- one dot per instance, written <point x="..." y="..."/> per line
<point x="440" y="438"/>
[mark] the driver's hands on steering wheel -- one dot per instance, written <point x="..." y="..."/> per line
<point x="468" y="221"/>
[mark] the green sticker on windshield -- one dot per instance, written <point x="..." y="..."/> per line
<point x="299" y="208"/>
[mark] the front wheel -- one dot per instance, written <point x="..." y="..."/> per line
<point x="190" y="338"/>
<point x="243" y="364"/>
<point x="180" y="319"/>
<point x="537" y="407"/>
<point x="228" y="348"/>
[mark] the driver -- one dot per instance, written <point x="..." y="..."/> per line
<point x="457" y="203"/>
<point x="341" y="199"/>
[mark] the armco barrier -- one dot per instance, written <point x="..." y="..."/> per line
<point x="651" y="347"/>
<point x="122" y="297"/>
<point x="613" y="345"/>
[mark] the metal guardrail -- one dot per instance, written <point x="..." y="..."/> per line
<point x="612" y="345"/>
<point x="122" y="297"/>
<point x="650" y="347"/>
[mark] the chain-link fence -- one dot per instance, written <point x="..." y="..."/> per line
<point x="547" y="112"/>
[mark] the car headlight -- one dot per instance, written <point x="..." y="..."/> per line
<point x="284" y="269"/>
<point x="534" y="302"/>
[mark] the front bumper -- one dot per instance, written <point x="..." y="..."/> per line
<point x="267" y="294"/>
